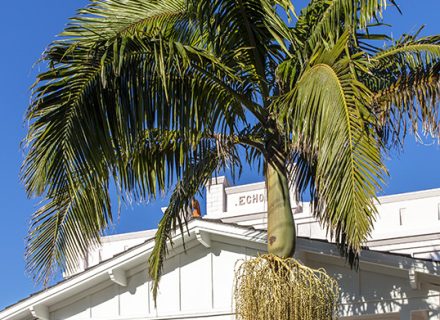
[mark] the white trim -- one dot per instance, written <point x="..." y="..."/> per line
<point x="130" y="235"/>
<point x="245" y="188"/>
<point x="203" y="238"/>
<point x="231" y="216"/>
<point x="40" y="312"/>
<point x="218" y="180"/>
<point x="404" y="239"/>
<point x="79" y="296"/>
<point x="118" y="276"/>
<point x="416" y="195"/>
<point x="212" y="314"/>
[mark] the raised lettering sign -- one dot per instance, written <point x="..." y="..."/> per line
<point x="250" y="199"/>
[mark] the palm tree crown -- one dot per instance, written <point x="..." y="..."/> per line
<point x="147" y="93"/>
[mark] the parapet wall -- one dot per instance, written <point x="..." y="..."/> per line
<point x="407" y="223"/>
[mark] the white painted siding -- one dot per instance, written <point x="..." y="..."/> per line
<point x="196" y="283"/>
<point x="368" y="293"/>
<point x="137" y="294"/>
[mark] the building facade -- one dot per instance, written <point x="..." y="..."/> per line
<point x="398" y="276"/>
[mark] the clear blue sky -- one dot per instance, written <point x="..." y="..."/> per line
<point x="28" y="26"/>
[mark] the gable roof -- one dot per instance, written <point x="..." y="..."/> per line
<point x="204" y="231"/>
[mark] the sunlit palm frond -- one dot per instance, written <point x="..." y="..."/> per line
<point x="409" y="51"/>
<point x="323" y="22"/>
<point x="408" y="102"/>
<point x="89" y="111"/>
<point x="329" y="121"/>
<point x="406" y="84"/>
<point x="105" y="20"/>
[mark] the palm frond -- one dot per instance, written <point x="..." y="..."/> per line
<point x="105" y="20"/>
<point x="408" y="102"/>
<point x="331" y="129"/>
<point x="323" y="22"/>
<point x="406" y="86"/>
<point x="88" y="113"/>
<point x="407" y="53"/>
<point x="221" y="154"/>
<point x="67" y="225"/>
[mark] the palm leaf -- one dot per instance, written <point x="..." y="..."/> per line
<point x="67" y="226"/>
<point x="90" y="110"/>
<point x="406" y="86"/>
<point x="323" y="22"/>
<point x="410" y="100"/>
<point x="330" y="125"/>
<point x="221" y="155"/>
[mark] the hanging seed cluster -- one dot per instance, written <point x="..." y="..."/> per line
<point x="273" y="288"/>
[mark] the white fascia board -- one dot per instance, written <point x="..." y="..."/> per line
<point x="368" y="256"/>
<point x="245" y="188"/>
<point x="418" y="272"/>
<point x="124" y="261"/>
<point x="405" y="235"/>
<point x="241" y="218"/>
<point x="363" y="265"/>
<point x="406" y="242"/>
<point x="145" y="234"/>
<point x="416" y="195"/>
<point x="233" y="231"/>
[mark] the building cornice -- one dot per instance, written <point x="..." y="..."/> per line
<point x="415" y="195"/>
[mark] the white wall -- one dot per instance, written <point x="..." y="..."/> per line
<point x="198" y="284"/>
<point x="368" y="292"/>
<point x="407" y="218"/>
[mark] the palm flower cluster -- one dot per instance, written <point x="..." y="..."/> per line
<point x="273" y="288"/>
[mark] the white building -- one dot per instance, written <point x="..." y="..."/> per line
<point x="398" y="278"/>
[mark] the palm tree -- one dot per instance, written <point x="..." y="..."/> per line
<point x="148" y="95"/>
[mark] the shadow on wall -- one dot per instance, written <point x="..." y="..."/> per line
<point x="383" y="287"/>
<point x="366" y="292"/>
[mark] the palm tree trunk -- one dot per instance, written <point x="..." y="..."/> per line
<point x="281" y="235"/>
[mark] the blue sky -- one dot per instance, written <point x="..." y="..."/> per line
<point x="28" y="26"/>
